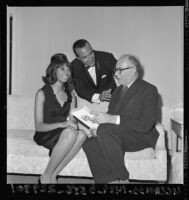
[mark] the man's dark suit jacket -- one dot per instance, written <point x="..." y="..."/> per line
<point x="84" y="85"/>
<point x="138" y="110"/>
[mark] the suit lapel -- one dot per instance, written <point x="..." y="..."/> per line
<point x="97" y="69"/>
<point x="116" y="100"/>
<point x="127" y="95"/>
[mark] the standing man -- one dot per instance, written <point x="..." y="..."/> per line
<point x="93" y="72"/>
<point x="129" y="124"/>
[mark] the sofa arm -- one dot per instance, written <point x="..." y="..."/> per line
<point x="160" y="145"/>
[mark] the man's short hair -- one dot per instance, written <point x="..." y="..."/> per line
<point x="79" y="44"/>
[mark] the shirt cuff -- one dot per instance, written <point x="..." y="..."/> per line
<point x="95" y="98"/>
<point x="118" y="120"/>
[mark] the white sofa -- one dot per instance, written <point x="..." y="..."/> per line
<point x="24" y="156"/>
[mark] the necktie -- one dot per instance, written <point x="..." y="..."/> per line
<point x="124" y="89"/>
<point x="122" y="92"/>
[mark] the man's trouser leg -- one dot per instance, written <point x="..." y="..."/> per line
<point x="105" y="156"/>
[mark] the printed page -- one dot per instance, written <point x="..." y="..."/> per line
<point x="83" y="114"/>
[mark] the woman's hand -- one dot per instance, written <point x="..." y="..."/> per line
<point x="62" y="124"/>
<point x="72" y="124"/>
<point x="71" y="129"/>
<point x="67" y="124"/>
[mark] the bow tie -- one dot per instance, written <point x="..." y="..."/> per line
<point x="88" y="67"/>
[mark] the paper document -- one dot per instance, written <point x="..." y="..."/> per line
<point x="83" y="115"/>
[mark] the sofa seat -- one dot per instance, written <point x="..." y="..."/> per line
<point x="153" y="169"/>
<point x="20" y="142"/>
<point x="176" y="172"/>
<point x="24" y="156"/>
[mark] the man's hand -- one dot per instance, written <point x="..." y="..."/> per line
<point x="93" y="132"/>
<point x="105" y="95"/>
<point x="102" y="118"/>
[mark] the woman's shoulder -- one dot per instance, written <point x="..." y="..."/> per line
<point x="47" y="89"/>
<point x="40" y="95"/>
<point x="43" y="90"/>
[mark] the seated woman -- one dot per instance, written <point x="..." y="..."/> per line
<point x="54" y="130"/>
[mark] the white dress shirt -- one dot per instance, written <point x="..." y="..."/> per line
<point x="92" y="72"/>
<point x="118" y="116"/>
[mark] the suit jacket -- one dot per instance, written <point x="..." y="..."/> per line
<point x="138" y="110"/>
<point x="84" y="85"/>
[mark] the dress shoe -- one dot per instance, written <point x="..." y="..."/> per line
<point x="39" y="181"/>
<point x="119" y="182"/>
<point x="124" y="182"/>
<point x="114" y="182"/>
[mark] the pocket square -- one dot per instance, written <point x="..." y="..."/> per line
<point x="103" y="76"/>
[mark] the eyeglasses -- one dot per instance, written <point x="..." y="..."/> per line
<point x="119" y="70"/>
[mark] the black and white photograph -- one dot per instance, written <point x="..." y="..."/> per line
<point x="125" y="65"/>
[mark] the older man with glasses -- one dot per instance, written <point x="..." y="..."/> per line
<point x="129" y="124"/>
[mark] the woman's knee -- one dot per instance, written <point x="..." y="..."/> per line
<point x="82" y="135"/>
<point x="68" y="135"/>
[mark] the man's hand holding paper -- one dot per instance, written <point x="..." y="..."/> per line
<point x="101" y="118"/>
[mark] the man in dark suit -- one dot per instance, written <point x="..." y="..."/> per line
<point x="129" y="124"/>
<point x="92" y="72"/>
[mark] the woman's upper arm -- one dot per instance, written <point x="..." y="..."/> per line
<point x="74" y="101"/>
<point x="39" y="101"/>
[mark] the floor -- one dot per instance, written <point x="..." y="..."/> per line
<point x="33" y="179"/>
<point x="27" y="179"/>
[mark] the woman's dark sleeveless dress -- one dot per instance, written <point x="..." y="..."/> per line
<point x="52" y="112"/>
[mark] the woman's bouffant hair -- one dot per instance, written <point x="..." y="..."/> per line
<point x="57" y="60"/>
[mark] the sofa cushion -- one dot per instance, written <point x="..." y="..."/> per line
<point x="176" y="172"/>
<point x="26" y="157"/>
<point x="21" y="142"/>
<point x="20" y="112"/>
<point x="148" y="153"/>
